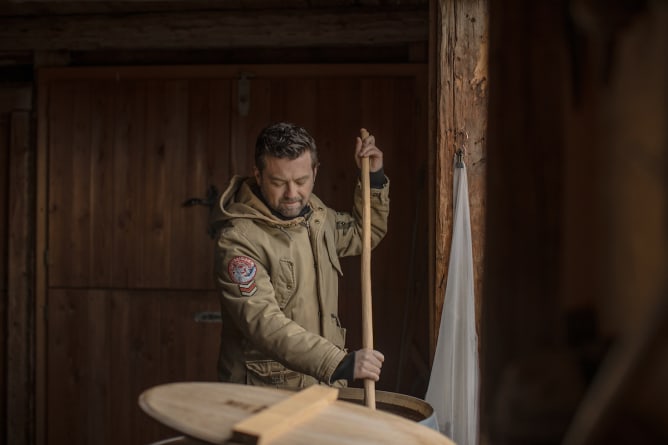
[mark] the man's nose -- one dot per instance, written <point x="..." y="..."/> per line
<point x="291" y="190"/>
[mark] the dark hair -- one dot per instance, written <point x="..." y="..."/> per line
<point x="284" y="140"/>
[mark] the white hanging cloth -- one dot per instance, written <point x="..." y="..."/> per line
<point x="453" y="384"/>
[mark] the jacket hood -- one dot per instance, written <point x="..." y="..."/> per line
<point x="239" y="201"/>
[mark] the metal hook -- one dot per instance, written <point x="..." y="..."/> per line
<point x="462" y="151"/>
<point x="460" y="157"/>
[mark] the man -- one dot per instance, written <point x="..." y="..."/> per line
<point x="277" y="267"/>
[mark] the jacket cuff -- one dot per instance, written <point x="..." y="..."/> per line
<point x="332" y="362"/>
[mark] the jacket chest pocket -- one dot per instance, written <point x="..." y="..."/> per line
<point x="284" y="281"/>
<point x="330" y="246"/>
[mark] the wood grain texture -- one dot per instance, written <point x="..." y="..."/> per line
<point x="288" y="414"/>
<point x="367" y="305"/>
<point x="20" y="308"/>
<point x="212" y="29"/>
<point x="209" y="411"/>
<point x="124" y="157"/>
<point x="461" y="116"/>
<point x="105" y="347"/>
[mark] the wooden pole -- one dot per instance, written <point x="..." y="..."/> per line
<point x="367" y="314"/>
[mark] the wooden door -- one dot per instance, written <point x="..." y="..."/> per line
<point x="129" y="268"/>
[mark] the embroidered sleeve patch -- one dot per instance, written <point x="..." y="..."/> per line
<point x="242" y="271"/>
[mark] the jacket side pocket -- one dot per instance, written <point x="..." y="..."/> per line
<point x="271" y="373"/>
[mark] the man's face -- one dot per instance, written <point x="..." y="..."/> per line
<point x="286" y="184"/>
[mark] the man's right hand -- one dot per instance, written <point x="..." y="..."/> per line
<point x="367" y="364"/>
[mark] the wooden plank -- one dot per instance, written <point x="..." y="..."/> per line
<point x="244" y="129"/>
<point x="339" y="118"/>
<point x="69" y="184"/>
<point x="102" y="182"/>
<point x="135" y="357"/>
<point x="165" y="115"/>
<point x="79" y="339"/>
<point x="20" y="308"/>
<point x="189" y="225"/>
<point x="258" y="71"/>
<point x="287" y="414"/>
<point x="213" y="29"/>
<point x="41" y="212"/>
<point x="128" y="179"/>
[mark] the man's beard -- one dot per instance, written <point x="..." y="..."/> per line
<point x="290" y="211"/>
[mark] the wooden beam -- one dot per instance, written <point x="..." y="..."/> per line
<point x="213" y="29"/>
<point x="459" y="119"/>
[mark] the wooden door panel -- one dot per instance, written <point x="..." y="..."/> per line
<point x="106" y="347"/>
<point x="123" y="159"/>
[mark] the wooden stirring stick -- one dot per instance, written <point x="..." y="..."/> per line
<point x="367" y="318"/>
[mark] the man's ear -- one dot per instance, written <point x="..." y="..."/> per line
<point x="257" y="174"/>
<point x="315" y="173"/>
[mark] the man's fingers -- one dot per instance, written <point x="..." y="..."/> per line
<point x="368" y="364"/>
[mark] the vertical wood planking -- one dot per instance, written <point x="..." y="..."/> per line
<point x="79" y="255"/>
<point x="20" y="287"/>
<point x="219" y="168"/>
<point x="127" y="200"/>
<point x="178" y="180"/>
<point x="338" y="123"/>
<point x="190" y="223"/>
<point x="128" y="174"/>
<point x="79" y="366"/>
<point x="192" y="254"/>
<point x="244" y="129"/>
<point x="61" y="223"/>
<point x="101" y="188"/>
<point x="41" y="273"/>
<point x="135" y="356"/>
<point x="297" y="99"/>
<point x="378" y="116"/>
<point x="188" y="348"/>
<point x="156" y="193"/>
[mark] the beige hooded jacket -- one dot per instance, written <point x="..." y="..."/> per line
<point x="279" y="285"/>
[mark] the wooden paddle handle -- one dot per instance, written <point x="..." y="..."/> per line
<point x="367" y="314"/>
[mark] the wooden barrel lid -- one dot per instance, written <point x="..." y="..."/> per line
<point x="230" y="413"/>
